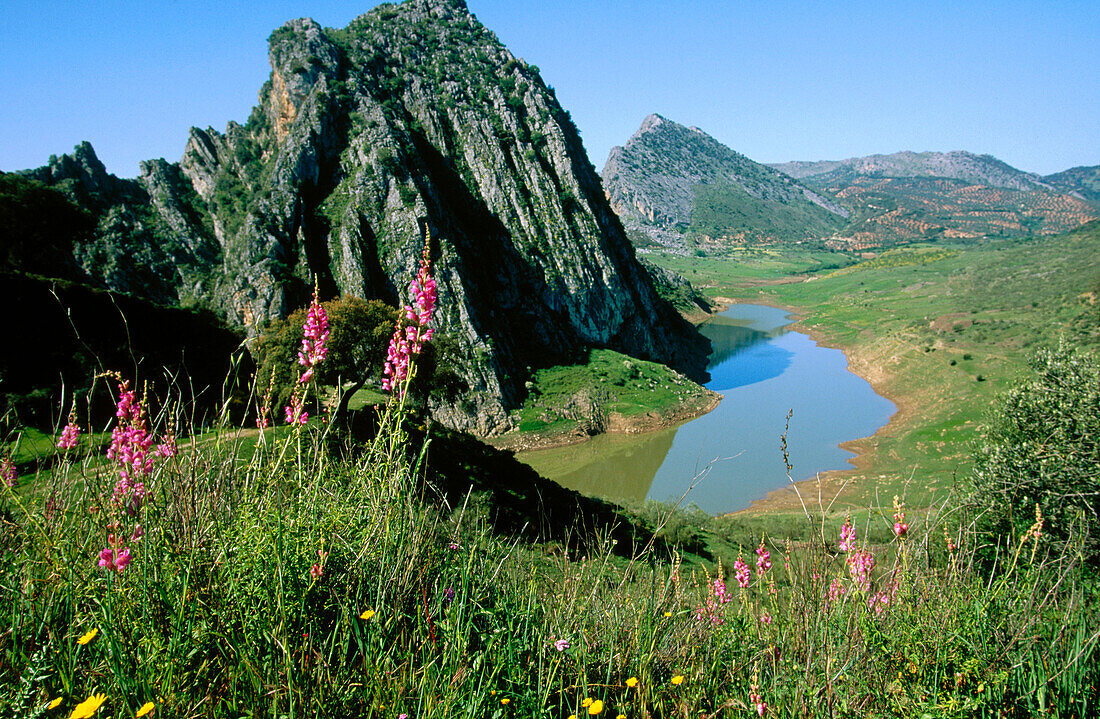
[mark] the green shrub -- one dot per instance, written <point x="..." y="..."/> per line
<point x="1042" y="447"/>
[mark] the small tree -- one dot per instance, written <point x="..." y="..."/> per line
<point x="359" y="333"/>
<point x="1042" y="447"/>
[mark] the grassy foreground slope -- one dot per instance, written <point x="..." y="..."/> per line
<point x="938" y="329"/>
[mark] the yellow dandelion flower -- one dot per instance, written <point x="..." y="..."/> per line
<point x="668" y="614"/>
<point x="572" y="716"/>
<point x="632" y="682"/>
<point x="367" y="614"/>
<point x="88" y="707"/>
<point x="587" y="702"/>
<point x="596" y="708"/>
<point x="146" y="708"/>
<point x="505" y="701"/>
<point x="678" y="679"/>
<point x="492" y="692"/>
<point x="54" y="704"/>
<point x="621" y="716"/>
<point x="88" y="637"/>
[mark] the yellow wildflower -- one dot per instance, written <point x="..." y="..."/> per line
<point x="367" y="614"/>
<point x="505" y="701"/>
<point x="146" y="708"/>
<point x="632" y="682"/>
<point x="596" y="708"/>
<point x="88" y="637"/>
<point x="88" y="707"/>
<point x="678" y="679"/>
<point x="54" y="704"/>
<point x="621" y="716"/>
<point x="587" y="702"/>
<point x="668" y="614"/>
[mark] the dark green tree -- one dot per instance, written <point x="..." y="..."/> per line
<point x="359" y="333"/>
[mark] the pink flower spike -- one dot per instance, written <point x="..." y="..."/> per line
<point x="742" y="573"/>
<point x="123" y="559"/>
<point x="316" y="571"/>
<point x="68" y="436"/>
<point x="314" y="336"/>
<point x="561" y="645"/>
<point x="763" y="559"/>
<point x="847" y="536"/>
<point x="901" y="529"/>
<point x="8" y="473"/>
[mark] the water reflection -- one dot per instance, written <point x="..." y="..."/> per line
<point x="762" y="370"/>
<point x="620" y="466"/>
<point x="741" y="355"/>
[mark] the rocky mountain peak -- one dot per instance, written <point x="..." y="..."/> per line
<point x="414" y="118"/>
<point x="669" y="179"/>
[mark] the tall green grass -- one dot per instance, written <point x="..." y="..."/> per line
<point x="303" y="574"/>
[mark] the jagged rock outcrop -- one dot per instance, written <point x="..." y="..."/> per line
<point x="149" y="239"/>
<point x="669" y="179"/>
<point x="414" y="118"/>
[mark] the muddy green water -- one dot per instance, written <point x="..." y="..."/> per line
<point x="731" y="456"/>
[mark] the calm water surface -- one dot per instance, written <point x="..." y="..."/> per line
<point x="732" y="454"/>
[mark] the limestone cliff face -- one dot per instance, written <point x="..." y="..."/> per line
<point x="416" y="118"/>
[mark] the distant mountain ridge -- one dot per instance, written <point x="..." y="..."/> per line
<point x="669" y="179"/>
<point x="956" y="165"/>
<point x="1083" y="182"/>
<point x="912" y="196"/>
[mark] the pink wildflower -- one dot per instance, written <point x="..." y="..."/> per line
<point x="130" y="443"/>
<point x="900" y="527"/>
<point x="69" y="435"/>
<point x="757" y="700"/>
<point x="720" y="592"/>
<point x="847" y="536"/>
<point x="742" y="573"/>
<point x="294" y="412"/>
<point x="138" y="533"/>
<point x="167" y="448"/>
<point x="409" y="340"/>
<point x="561" y="645"/>
<point x="766" y="619"/>
<point x="314" y="335"/>
<point x="112" y="562"/>
<point x="316" y="571"/>
<point x="836" y="589"/>
<point x="107" y="558"/>
<point x="763" y="559"/>
<point x="860" y="565"/>
<point x="8" y="473"/>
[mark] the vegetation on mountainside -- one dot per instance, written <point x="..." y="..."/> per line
<point x="585" y="397"/>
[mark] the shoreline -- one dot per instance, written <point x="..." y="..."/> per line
<point x="828" y="485"/>
<point x="642" y="423"/>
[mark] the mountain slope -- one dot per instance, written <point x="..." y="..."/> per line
<point x="670" y="179"/>
<point x="1083" y="182"/>
<point x="910" y="196"/>
<point x="414" y="118"/>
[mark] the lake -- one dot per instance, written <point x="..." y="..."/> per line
<point x="731" y="456"/>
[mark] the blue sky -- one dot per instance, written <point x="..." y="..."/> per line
<point x="773" y="80"/>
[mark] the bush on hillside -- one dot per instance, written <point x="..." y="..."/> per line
<point x="1042" y="447"/>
